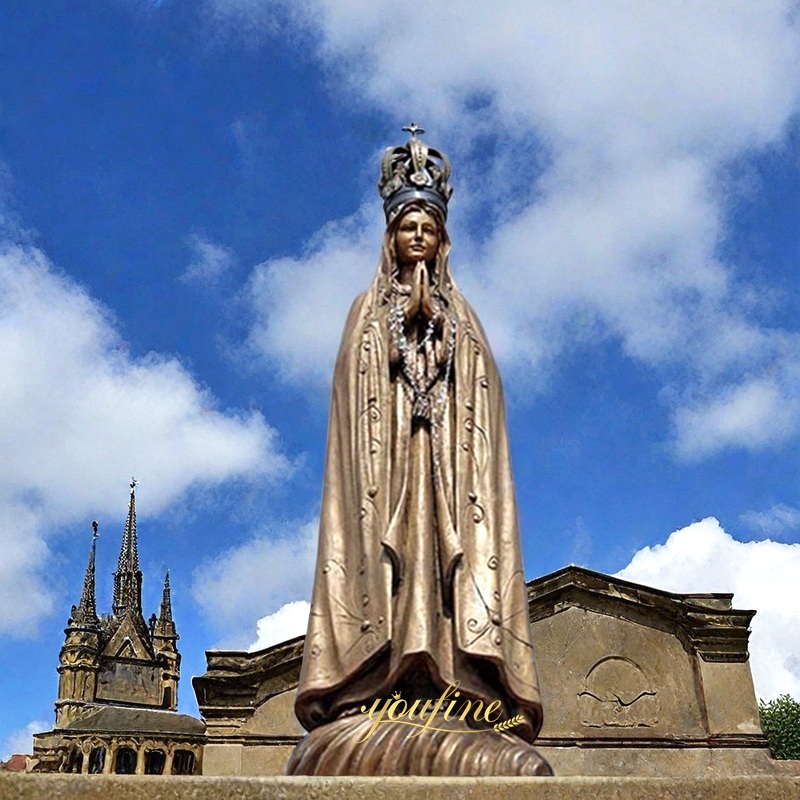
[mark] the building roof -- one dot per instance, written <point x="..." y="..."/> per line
<point x="16" y="763"/>
<point x="122" y="719"/>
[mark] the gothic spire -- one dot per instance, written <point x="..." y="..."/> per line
<point x="165" y="625"/>
<point x="128" y="577"/>
<point x="86" y="612"/>
<point x="166" y="601"/>
<point x="129" y="554"/>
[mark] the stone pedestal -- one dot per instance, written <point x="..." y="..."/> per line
<point x="133" y="787"/>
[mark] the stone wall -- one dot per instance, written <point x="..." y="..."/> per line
<point x="634" y="681"/>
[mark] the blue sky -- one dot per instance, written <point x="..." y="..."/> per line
<point x="188" y="205"/>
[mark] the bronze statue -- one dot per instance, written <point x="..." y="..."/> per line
<point x="419" y="589"/>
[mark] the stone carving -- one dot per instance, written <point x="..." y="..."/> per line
<point x="618" y="695"/>
<point x="419" y="583"/>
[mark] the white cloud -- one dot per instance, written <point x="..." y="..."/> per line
<point x="762" y="575"/>
<point x="209" y="261"/>
<point x="775" y="521"/>
<point x="287" y="622"/>
<point x="21" y="741"/>
<point x="753" y="414"/>
<point x="611" y="128"/>
<point x="78" y="415"/>
<point x="256" y="579"/>
<point x="25" y="553"/>
<point x="300" y="304"/>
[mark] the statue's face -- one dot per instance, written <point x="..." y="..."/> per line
<point x="416" y="238"/>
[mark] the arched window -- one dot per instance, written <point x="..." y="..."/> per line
<point x="167" y="697"/>
<point x="154" y="761"/>
<point x="74" y="761"/>
<point x="183" y="762"/>
<point x="126" y="761"/>
<point x="97" y="760"/>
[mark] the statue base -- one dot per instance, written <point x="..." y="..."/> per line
<point x="394" y="749"/>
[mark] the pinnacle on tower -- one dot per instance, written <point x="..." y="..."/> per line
<point x="128" y="577"/>
<point x="165" y="625"/>
<point x="166" y="601"/>
<point x="86" y="612"/>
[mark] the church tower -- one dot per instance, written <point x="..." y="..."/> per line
<point x="118" y="682"/>
<point x="128" y="577"/>
<point x="129" y="644"/>
<point x="79" y="657"/>
<point x="164" y="644"/>
<point x="119" y="658"/>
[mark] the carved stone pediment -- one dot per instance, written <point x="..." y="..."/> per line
<point x="706" y="624"/>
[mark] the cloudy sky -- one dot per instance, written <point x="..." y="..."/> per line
<point x="188" y="206"/>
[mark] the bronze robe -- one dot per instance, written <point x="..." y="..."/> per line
<point x="419" y="573"/>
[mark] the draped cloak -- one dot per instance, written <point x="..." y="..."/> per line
<point x="369" y="626"/>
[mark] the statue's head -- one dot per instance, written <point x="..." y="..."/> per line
<point x="417" y="233"/>
<point x="414" y="173"/>
<point x="415" y="191"/>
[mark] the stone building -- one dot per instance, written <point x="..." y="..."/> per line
<point x="118" y="682"/>
<point x="634" y="681"/>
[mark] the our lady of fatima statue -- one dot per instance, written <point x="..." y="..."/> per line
<point x="419" y="589"/>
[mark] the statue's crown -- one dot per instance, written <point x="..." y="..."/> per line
<point x="412" y="172"/>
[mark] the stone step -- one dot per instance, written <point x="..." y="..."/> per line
<point x="101" y="787"/>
